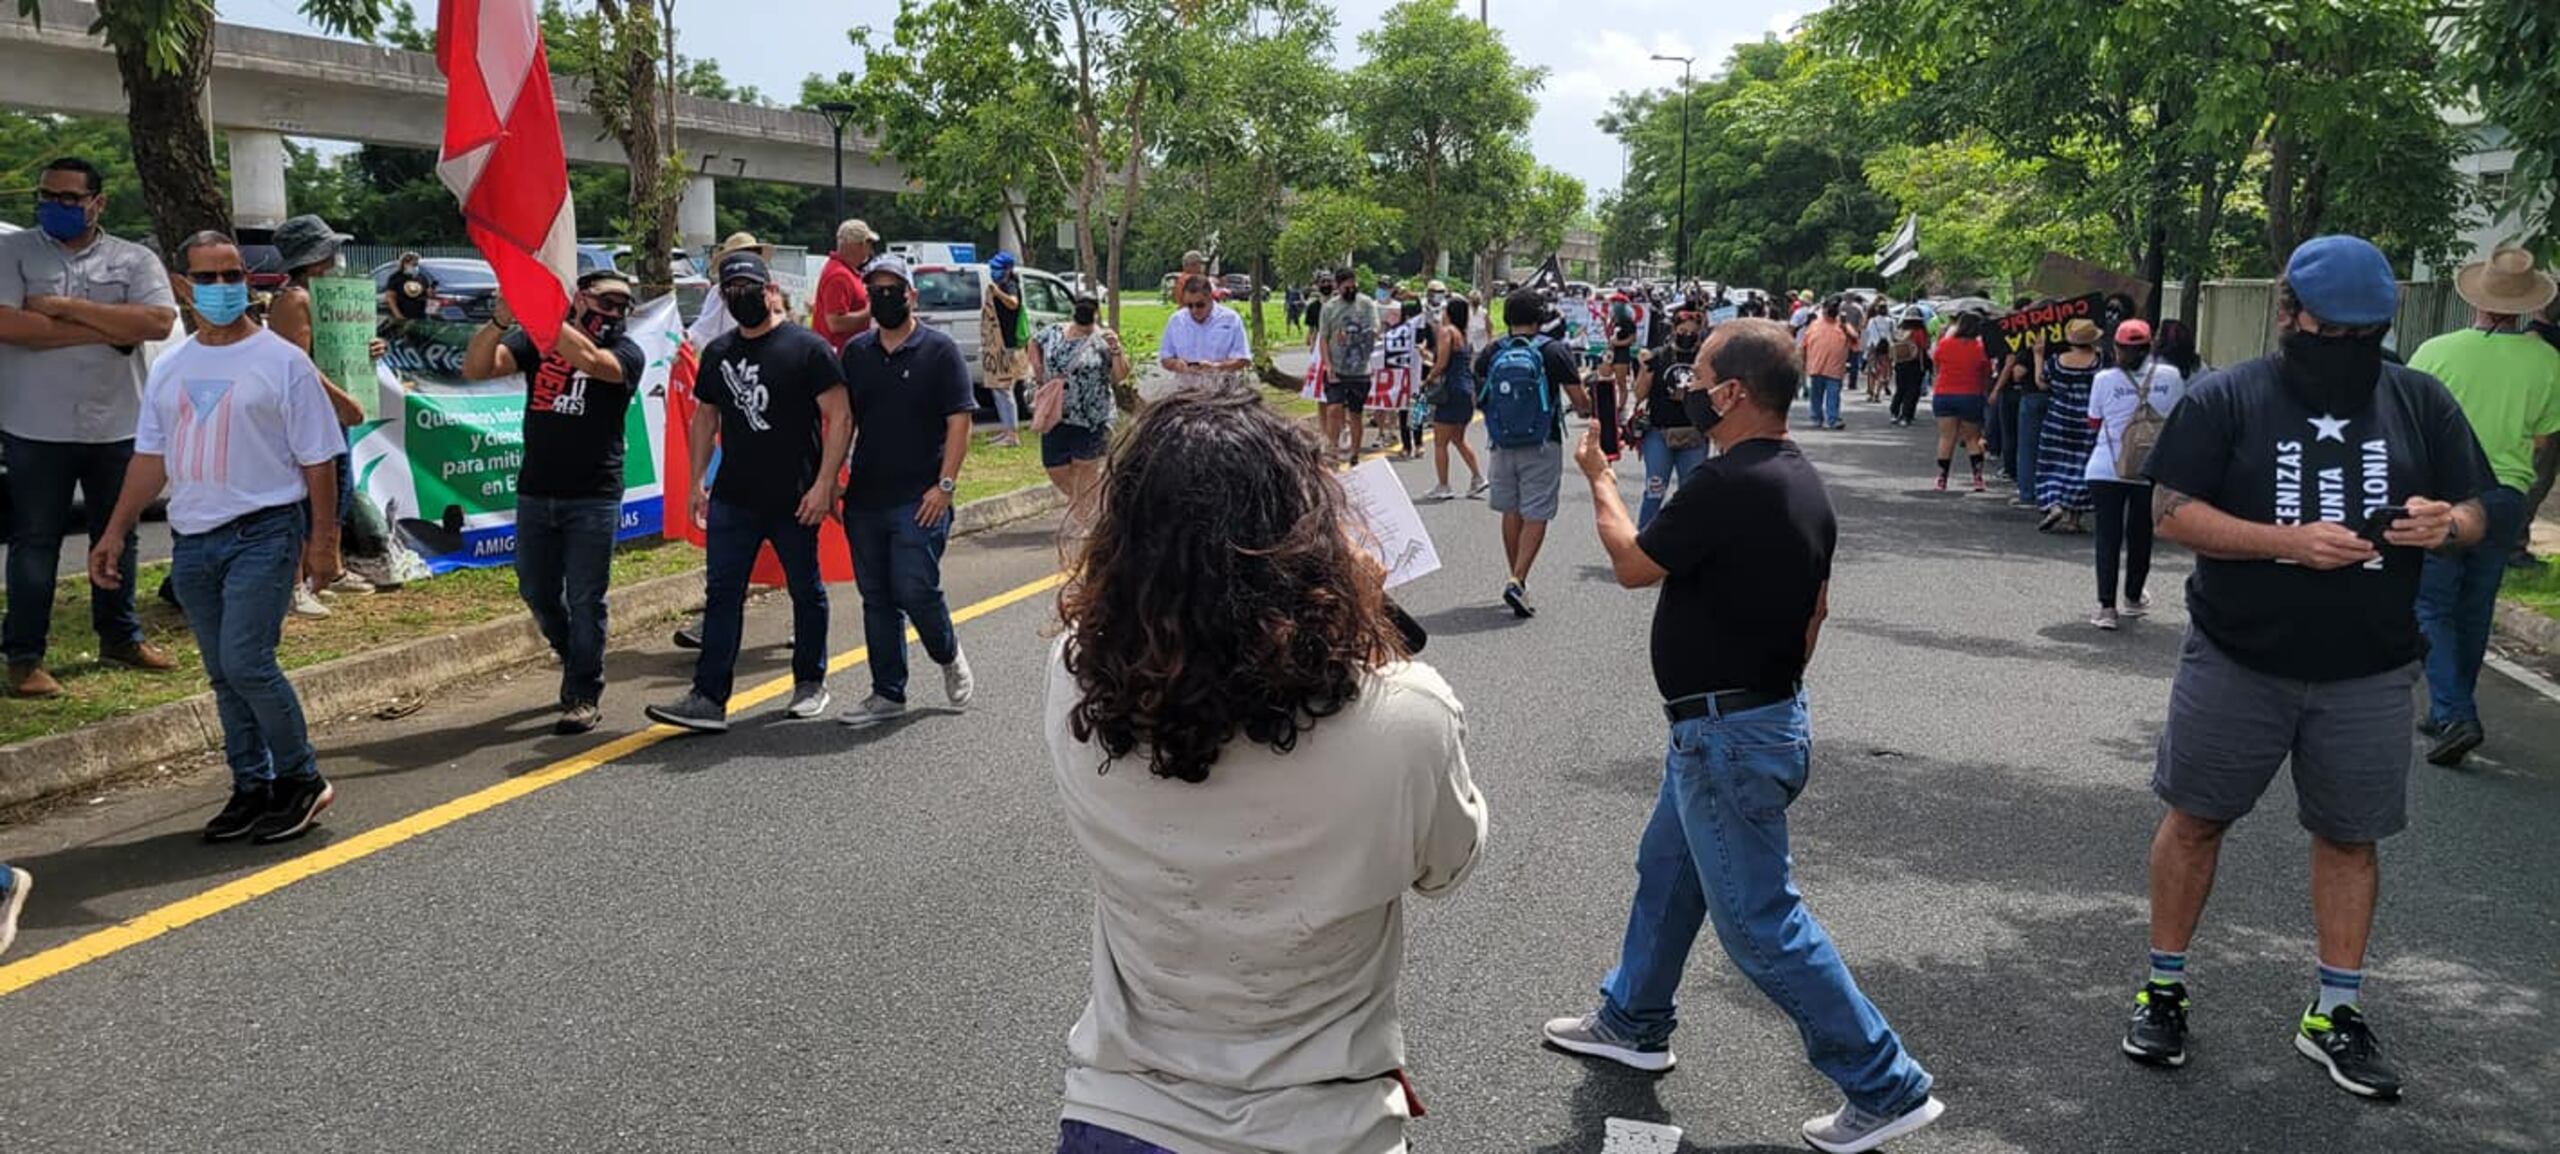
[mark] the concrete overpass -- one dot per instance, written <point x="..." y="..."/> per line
<point x="269" y="85"/>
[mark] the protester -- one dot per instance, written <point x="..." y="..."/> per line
<point x="1203" y="341"/>
<point x="1003" y="333"/>
<point x="1853" y="323"/>
<point x="1911" y="366"/>
<point x="1743" y="555"/>
<point x="306" y="246"/>
<point x="840" y="310"/>
<point x="15" y="884"/>
<point x="1957" y="401"/>
<point x="1392" y="391"/>
<point x="2279" y="474"/>
<point x="1616" y="380"/>
<point x="1345" y="336"/>
<point x="2546" y="460"/>
<point x="1479" y="321"/>
<point x="2175" y="343"/>
<point x="1230" y="667"/>
<point x="771" y="401"/>
<point x="1828" y="344"/>
<point x="912" y="406"/>
<point x="2064" y="443"/>
<point x="76" y="305"/>
<point x="569" y="489"/>
<point x="712" y="317"/>
<point x="235" y="427"/>
<point x="2013" y="377"/>
<point x="1673" y="446"/>
<point x="2128" y="404"/>
<point x="408" y="291"/>
<point x="2508" y="384"/>
<point x="1525" y="381"/>
<point x="1451" y="390"/>
<point x="1313" y="321"/>
<point x="1080" y="359"/>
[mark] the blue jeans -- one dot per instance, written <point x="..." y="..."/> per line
<point x="1824" y="396"/>
<point x="730" y="542"/>
<point x="564" y="563"/>
<point x="1662" y="465"/>
<point x="42" y="475"/>
<point x="2006" y="420"/>
<point x="897" y="567"/>
<point x="2031" y="409"/>
<point x="2458" y="601"/>
<point x="1086" y="1138"/>
<point x="1717" y="849"/>
<point x="237" y="582"/>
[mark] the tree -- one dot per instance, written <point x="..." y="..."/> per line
<point x="1987" y="216"/>
<point x="2508" y="53"/>
<point x="1329" y="227"/>
<point x="164" y="55"/>
<point x="1438" y="106"/>
<point x="625" y="50"/>
<point x="1545" y="206"/>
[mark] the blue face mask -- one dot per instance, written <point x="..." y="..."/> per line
<point x="62" y="221"/>
<point x="221" y="304"/>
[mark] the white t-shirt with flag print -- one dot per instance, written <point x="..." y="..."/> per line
<point x="236" y="424"/>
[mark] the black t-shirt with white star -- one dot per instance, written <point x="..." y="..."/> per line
<point x="2241" y="442"/>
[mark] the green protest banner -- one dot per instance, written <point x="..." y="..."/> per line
<point x="342" y="334"/>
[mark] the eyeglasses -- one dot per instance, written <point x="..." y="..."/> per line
<point x="74" y="198"/>
<point x="218" y="276"/>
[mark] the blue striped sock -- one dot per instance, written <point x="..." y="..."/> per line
<point x="2338" y="988"/>
<point x="2168" y="968"/>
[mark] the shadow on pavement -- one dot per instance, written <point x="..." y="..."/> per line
<point x="1608" y="1091"/>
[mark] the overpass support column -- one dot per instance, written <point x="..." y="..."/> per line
<point x="257" y="178"/>
<point x="697" y="216"/>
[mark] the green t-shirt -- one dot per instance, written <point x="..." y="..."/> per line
<point x="2509" y="386"/>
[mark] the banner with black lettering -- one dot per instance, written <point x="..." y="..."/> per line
<point x="2044" y="319"/>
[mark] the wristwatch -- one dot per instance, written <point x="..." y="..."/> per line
<point x="947" y="484"/>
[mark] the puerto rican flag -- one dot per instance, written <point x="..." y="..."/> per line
<point x="503" y="156"/>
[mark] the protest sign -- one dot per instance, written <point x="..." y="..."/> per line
<point x="1720" y="316"/>
<point x="342" y="315"/>
<point x="2045" y="319"/>
<point x="1389" y="527"/>
<point x="2057" y="276"/>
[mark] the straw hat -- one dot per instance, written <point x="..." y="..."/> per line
<point x="2505" y="283"/>
<point x="741" y="240"/>
<point x="2081" y="331"/>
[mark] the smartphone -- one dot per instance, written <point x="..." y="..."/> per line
<point x="2379" y="521"/>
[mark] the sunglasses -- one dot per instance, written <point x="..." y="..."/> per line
<point x="219" y="276"/>
<point x="610" y="304"/>
<point x="74" y="199"/>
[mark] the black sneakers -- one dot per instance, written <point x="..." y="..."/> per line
<point x="248" y="804"/>
<point x="2343" y="1045"/>
<point x="2158" y="1035"/>
<point x="2455" y="742"/>
<point x="292" y="809"/>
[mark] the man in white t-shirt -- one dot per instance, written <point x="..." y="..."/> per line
<point x="237" y="427"/>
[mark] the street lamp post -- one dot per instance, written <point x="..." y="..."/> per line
<point x="838" y="114"/>
<point x="1680" y="243"/>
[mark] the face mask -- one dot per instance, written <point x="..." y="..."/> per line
<point x="62" y="221"/>
<point x="748" y="306"/>
<point x="1350" y="292"/>
<point x="1085" y="313"/>
<point x="410" y="269"/>
<point x="221" y="304"/>
<point x="1701" y="410"/>
<point x="889" y="307"/>
<point x="605" y="329"/>
<point x="1687" y="343"/>
<point x="2333" y="374"/>
<point x="2131" y="359"/>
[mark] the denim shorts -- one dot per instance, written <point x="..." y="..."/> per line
<point x="1527" y="481"/>
<point x="2230" y="727"/>
<point x="1067" y="444"/>
<point x="1966" y="408"/>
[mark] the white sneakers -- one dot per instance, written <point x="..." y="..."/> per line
<point x="305" y="604"/>
<point x="957" y="682"/>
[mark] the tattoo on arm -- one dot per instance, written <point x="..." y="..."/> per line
<point x="2165" y="503"/>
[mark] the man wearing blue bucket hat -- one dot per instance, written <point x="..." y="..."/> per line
<point x="2311" y="484"/>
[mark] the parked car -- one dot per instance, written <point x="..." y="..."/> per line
<point x="465" y="288"/>
<point x="948" y="298"/>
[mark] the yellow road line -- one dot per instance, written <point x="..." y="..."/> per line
<point x="124" y="935"/>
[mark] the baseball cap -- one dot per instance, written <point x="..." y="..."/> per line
<point x="860" y="228"/>
<point x="2133" y="332"/>
<point x="2343" y="280"/>
<point x="891" y="263"/>
<point x="745" y="265"/>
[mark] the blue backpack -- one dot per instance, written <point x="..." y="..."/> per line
<point x="1518" y="413"/>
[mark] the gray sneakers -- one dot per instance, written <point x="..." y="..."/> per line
<point x="957" y="682"/>
<point x="809" y="701"/>
<point x="692" y="712"/>
<point x="1585" y="1035"/>
<point x="873" y="710"/>
<point x="1850" y="1130"/>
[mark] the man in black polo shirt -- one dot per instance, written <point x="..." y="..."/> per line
<point x="1743" y="555"/>
<point x="912" y="404"/>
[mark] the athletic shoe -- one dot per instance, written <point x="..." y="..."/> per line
<point x="2137" y="606"/>
<point x="873" y="710"/>
<point x="2021" y="503"/>
<point x="577" y="717"/>
<point x="1850" y="1130"/>
<point x="306" y="605"/>
<point x="2430" y="727"/>
<point x="350" y="582"/>
<point x="1440" y="493"/>
<point x="1477" y="488"/>
<point x="2158" y="1033"/>
<point x="375" y="571"/>
<point x="1942" y="482"/>
<point x="13" y="900"/>
<point x="2455" y="743"/>
<point x="248" y="804"/>
<point x="958" y="684"/>
<point x="2348" y="1049"/>
<point x="1839" y="426"/>
<point x="808" y="701"/>
<point x="689" y="634"/>
<point x="693" y="712"/>
<point x="1586" y="1035"/>
<point x="2104" y="618"/>
<point x="1978" y="486"/>
<point x="293" y="808"/>
<point x="1516" y="595"/>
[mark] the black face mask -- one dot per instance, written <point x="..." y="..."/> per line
<point x="2335" y="375"/>
<point x="1350" y="291"/>
<point x="1702" y="412"/>
<point x="1686" y="344"/>
<point x="748" y="306"/>
<point x="2130" y="359"/>
<point x="1086" y="312"/>
<point x="602" y="328"/>
<point x="889" y="307"/>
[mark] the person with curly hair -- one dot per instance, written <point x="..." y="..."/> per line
<point x="1256" y="772"/>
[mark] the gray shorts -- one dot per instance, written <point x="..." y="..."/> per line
<point x="2230" y="726"/>
<point x="1526" y="481"/>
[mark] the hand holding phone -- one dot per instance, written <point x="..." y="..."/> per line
<point x="2377" y="523"/>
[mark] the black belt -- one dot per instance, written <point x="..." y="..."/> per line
<point x="1723" y="701"/>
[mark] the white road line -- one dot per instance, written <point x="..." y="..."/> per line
<point x="2526" y="677"/>
<point x="1625" y="1137"/>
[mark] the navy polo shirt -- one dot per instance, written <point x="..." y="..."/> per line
<point x="902" y="400"/>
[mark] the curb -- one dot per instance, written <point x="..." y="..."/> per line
<point x="45" y="767"/>
<point x="2520" y="625"/>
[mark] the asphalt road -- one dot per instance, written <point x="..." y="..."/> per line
<point x="799" y="938"/>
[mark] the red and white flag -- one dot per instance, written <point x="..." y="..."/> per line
<point x="503" y="156"/>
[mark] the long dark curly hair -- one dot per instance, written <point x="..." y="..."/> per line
<point x="1218" y="593"/>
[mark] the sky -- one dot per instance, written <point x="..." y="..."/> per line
<point x="1604" y="53"/>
